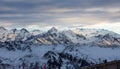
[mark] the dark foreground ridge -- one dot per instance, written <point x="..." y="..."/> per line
<point x="105" y="65"/>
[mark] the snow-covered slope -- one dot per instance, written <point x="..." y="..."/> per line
<point x="42" y="54"/>
<point x="75" y="38"/>
<point x="94" y="32"/>
<point x="69" y="47"/>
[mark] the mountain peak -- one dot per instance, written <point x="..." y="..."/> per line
<point x="14" y="30"/>
<point x="24" y="30"/>
<point x="52" y="30"/>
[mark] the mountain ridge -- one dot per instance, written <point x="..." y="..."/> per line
<point x="54" y="36"/>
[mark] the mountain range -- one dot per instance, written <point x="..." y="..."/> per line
<point x="93" y="37"/>
<point x="75" y="47"/>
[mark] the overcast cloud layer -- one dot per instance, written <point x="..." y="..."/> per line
<point x="33" y="14"/>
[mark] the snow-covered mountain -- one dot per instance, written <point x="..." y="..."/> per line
<point x="65" y="48"/>
<point x="90" y="37"/>
<point x="54" y="36"/>
<point x="80" y="36"/>
<point x="13" y="35"/>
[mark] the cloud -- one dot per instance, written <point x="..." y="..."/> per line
<point x="67" y="13"/>
<point x="109" y="26"/>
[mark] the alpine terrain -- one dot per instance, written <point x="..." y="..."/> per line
<point x="56" y="49"/>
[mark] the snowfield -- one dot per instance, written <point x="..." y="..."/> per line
<point x="95" y="53"/>
<point x="91" y="54"/>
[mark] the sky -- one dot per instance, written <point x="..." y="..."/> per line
<point x="63" y="14"/>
